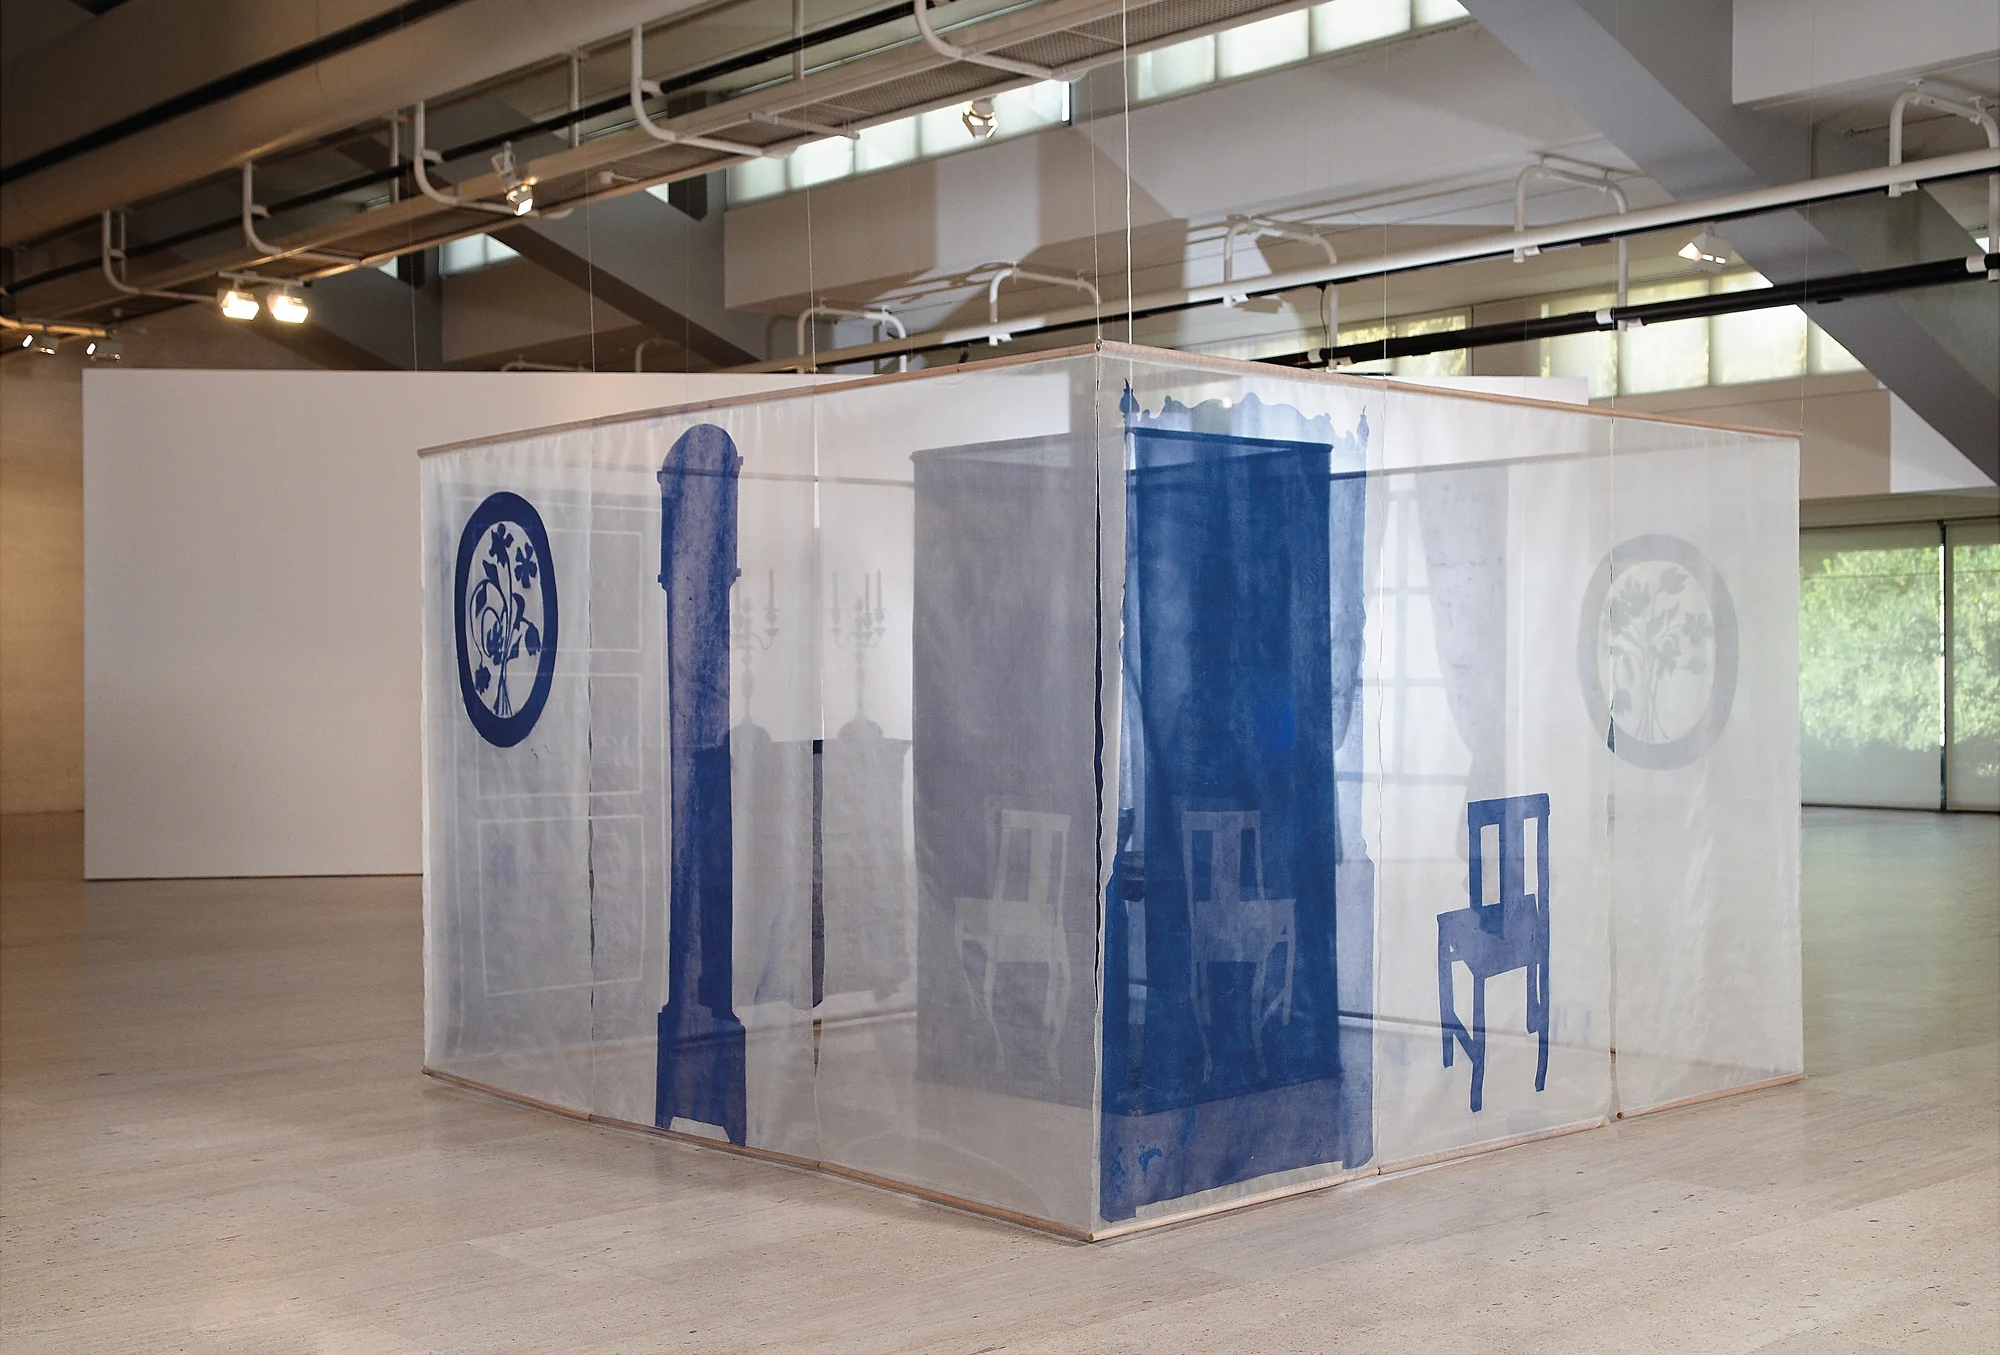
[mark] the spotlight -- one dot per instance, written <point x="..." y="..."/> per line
<point x="40" y="342"/>
<point x="104" y="350"/>
<point x="520" y="192"/>
<point x="237" y="303"/>
<point x="1706" y="251"/>
<point x="287" y="306"/>
<point x="980" y="119"/>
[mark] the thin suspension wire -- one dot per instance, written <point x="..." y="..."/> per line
<point x="1125" y="118"/>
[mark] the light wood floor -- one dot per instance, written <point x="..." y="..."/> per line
<point x="213" y="1137"/>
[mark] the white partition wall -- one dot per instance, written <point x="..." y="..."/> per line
<point x="250" y="626"/>
<point x="1108" y="786"/>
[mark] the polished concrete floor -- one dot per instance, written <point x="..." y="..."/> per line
<point x="213" y="1137"/>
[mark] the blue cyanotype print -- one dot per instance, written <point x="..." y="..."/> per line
<point x="1226" y="1055"/>
<point x="1004" y="654"/>
<point x="701" y="1055"/>
<point x="504" y="604"/>
<point x="1500" y="935"/>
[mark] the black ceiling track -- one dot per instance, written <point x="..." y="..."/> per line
<point x="1824" y="291"/>
<point x="1810" y="292"/>
<point x="228" y="86"/>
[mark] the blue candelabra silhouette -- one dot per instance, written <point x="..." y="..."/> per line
<point x="866" y="621"/>
<point x="746" y="637"/>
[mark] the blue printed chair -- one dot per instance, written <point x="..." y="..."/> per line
<point x="1511" y="932"/>
<point x="1232" y="921"/>
<point x="1022" y="923"/>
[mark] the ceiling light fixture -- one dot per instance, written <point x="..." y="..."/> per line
<point x="520" y="192"/>
<point x="104" y="350"/>
<point x="287" y="306"/>
<point x="1706" y="251"/>
<point x="237" y="303"/>
<point x="980" y="119"/>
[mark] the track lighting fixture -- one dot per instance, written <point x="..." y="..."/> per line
<point x="980" y="119"/>
<point x="520" y="192"/>
<point x="237" y="302"/>
<point x="104" y="350"/>
<point x="1706" y="251"/>
<point x="40" y="341"/>
<point x="287" y="306"/>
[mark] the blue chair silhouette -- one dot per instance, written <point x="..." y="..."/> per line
<point x="1512" y="932"/>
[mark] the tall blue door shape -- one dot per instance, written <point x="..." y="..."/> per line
<point x="701" y="1040"/>
<point x="1223" y="1049"/>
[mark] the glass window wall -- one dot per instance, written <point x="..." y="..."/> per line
<point x="1899" y="665"/>
<point x="1972" y="771"/>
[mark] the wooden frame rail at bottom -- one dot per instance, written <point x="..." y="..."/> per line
<point x="1068" y="1233"/>
<point x="990" y="1211"/>
<point x="1784" y="1080"/>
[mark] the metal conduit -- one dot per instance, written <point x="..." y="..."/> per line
<point x="401" y="177"/>
<point x="1588" y="231"/>
<point x="1814" y="291"/>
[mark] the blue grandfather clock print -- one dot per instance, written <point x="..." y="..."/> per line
<point x="504" y="606"/>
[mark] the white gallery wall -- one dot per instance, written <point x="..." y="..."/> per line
<point x="251" y="591"/>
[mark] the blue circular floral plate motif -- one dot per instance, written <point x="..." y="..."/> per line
<point x="504" y="604"/>
<point x="1657" y="652"/>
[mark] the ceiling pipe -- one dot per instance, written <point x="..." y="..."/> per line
<point x="953" y="52"/>
<point x="879" y="315"/>
<point x="1750" y="203"/>
<point x="1822" y="290"/>
<point x="272" y="253"/>
<point x="421" y="155"/>
<point x="453" y="48"/>
<point x="1254" y="226"/>
<point x="110" y="250"/>
<point x="641" y="87"/>
<point x="835" y="80"/>
<point x="1014" y="270"/>
<point x="61" y="329"/>
<point x="799" y="125"/>
<point x="1601" y="181"/>
<point x="1970" y="112"/>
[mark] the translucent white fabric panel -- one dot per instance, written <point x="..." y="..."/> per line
<point x="1692" y="621"/>
<point x="775" y="640"/>
<point x="957" y="1047"/>
<point x="1484" y="1031"/>
<point x="508" y="534"/>
<point x="729" y="573"/>
<point x="1239" y="930"/>
<point x="1112" y="785"/>
<point x="627" y="830"/>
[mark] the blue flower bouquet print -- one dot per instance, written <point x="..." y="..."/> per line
<point x="504" y="603"/>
